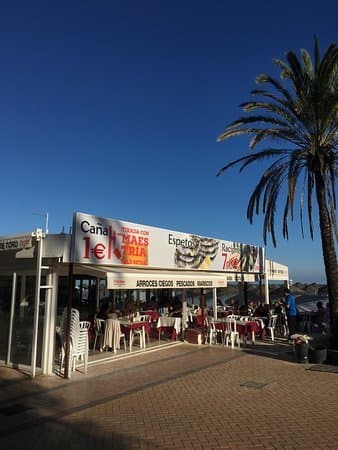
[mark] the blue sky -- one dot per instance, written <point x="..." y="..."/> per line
<point x="113" y="108"/>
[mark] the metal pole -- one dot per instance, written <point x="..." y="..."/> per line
<point x="260" y="289"/>
<point x="245" y="292"/>
<point x="97" y="294"/>
<point x="11" y="318"/>
<point x="184" y="312"/>
<point x="266" y="285"/>
<point x="68" y="370"/>
<point x="214" y="304"/>
<point x="202" y="311"/>
<point x="39" y="241"/>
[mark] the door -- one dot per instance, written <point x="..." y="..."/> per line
<point x="16" y="337"/>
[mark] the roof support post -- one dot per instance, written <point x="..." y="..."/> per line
<point x="202" y="306"/>
<point x="68" y="369"/>
<point x="39" y="242"/>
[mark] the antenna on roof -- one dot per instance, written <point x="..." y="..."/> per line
<point x="45" y="215"/>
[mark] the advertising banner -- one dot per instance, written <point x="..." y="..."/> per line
<point x="15" y="242"/>
<point x="116" y="280"/>
<point x="276" y="271"/>
<point x="105" y="241"/>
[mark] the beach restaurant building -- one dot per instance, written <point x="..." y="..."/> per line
<point x="110" y="262"/>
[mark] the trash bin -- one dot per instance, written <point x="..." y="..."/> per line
<point x="317" y="355"/>
<point x="302" y="351"/>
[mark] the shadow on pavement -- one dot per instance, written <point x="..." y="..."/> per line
<point x="279" y="349"/>
<point x="47" y="413"/>
<point x="24" y="421"/>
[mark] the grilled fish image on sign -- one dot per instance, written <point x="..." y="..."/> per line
<point x="199" y="255"/>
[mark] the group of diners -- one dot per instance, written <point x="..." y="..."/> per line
<point x="131" y="326"/>
<point x="254" y="319"/>
<point x="110" y="324"/>
<point x="242" y="323"/>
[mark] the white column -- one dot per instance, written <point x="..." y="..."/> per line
<point x="39" y="242"/>
<point x="184" y="311"/>
<point x="48" y="346"/>
<point x="214" y="302"/>
<point x="266" y="287"/>
<point x="11" y="319"/>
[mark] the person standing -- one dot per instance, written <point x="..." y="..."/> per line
<point x="291" y="311"/>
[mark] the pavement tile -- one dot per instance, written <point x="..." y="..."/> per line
<point x="187" y="397"/>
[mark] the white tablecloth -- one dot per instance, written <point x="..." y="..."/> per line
<point x="175" y="322"/>
<point x="112" y="334"/>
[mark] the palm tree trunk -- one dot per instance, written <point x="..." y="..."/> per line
<point x="329" y="254"/>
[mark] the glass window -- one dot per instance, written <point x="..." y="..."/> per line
<point x="21" y="348"/>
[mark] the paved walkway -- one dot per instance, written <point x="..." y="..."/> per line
<point x="184" y="397"/>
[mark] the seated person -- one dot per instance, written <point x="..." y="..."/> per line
<point x="103" y="312"/>
<point x="251" y="308"/>
<point x="152" y="304"/>
<point x="233" y="306"/>
<point x="243" y="310"/>
<point x="277" y="308"/>
<point x="261" y="310"/>
<point x="319" y="317"/>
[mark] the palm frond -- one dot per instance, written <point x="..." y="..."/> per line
<point x="305" y="118"/>
<point x="307" y="63"/>
<point x="263" y="79"/>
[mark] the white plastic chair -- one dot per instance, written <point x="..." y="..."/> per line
<point x="214" y="333"/>
<point x="81" y="348"/>
<point x="272" y="325"/>
<point x="231" y="333"/>
<point x="99" y="329"/>
<point x="74" y="330"/>
<point x="233" y="316"/>
<point x="281" y="325"/>
<point x="138" y="333"/>
<point x="145" y="318"/>
<point x="245" y="318"/>
<point x="123" y="339"/>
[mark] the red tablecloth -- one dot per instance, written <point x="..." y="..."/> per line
<point x="219" y="325"/>
<point x="243" y="328"/>
<point x="246" y="328"/>
<point x="168" y="330"/>
<point x="197" y="320"/>
<point x="126" y="327"/>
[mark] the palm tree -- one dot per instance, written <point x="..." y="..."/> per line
<point x="299" y="118"/>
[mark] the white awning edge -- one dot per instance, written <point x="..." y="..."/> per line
<point x="163" y="281"/>
<point x="118" y="279"/>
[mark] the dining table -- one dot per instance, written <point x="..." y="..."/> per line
<point x="112" y="334"/>
<point x="245" y="327"/>
<point x="171" y="325"/>
<point x="248" y="328"/>
<point x="128" y="327"/>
